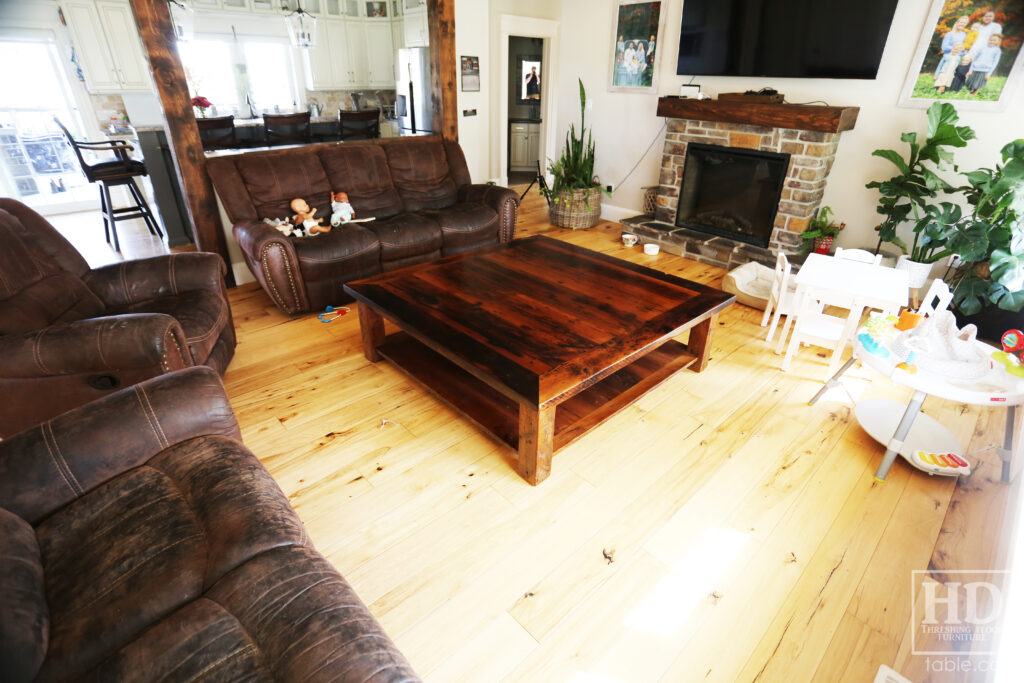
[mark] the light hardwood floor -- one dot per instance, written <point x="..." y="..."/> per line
<point x="719" y="529"/>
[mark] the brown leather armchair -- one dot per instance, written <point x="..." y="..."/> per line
<point x="140" y="541"/>
<point x="69" y="334"/>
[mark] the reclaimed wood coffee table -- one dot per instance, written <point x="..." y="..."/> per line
<point x="537" y="340"/>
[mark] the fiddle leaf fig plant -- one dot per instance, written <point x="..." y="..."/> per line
<point x="906" y="197"/>
<point x="990" y="239"/>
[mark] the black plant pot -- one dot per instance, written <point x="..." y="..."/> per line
<point x="991" y="322"/>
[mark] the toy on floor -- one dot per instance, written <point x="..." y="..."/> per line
<point x="341" y="210"/>
<point x="948" y="464"/>
<point x="305" y="217"/>
<point x="332" y="313"/>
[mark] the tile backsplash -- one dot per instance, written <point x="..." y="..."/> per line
<point x="107" y="106"/>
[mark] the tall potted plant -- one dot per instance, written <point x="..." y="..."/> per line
<point x="574" y="198"/>
<point x="906" y="198"/>
<point x="989" y="239"/>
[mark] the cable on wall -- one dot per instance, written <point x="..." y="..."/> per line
<point x="644" y="155"/>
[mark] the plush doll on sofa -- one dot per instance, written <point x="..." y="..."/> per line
<point x="304" y="216"/>
<point x="341" y="210"/>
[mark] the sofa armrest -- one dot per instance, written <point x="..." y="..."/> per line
<point x="132" y="341"/>
<point x="52" y="464"/>
<point x="129" y="282"/>
<point x="504" y="201"/>
<point x="272" y="259"/>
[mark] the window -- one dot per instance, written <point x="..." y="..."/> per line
<point x="270" y="75"/>
<point x="210" y="72"/>
<point x="227" y="72"/>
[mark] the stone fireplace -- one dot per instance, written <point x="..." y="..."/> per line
<point x="804" y="137"/>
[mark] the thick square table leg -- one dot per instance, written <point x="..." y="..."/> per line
<point x="536" y="441"/>
<point x="371" y="326"/>
<point x="700" y="342"/>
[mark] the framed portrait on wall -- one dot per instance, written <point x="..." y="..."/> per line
<point x="969" y="54"/>
<point x="636" y="38"/>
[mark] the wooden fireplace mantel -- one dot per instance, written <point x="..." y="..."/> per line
<point x="794" y="116"/>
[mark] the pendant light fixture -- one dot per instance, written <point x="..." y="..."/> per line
<point x="184" y="20"/>
<point x="301" y="27"/>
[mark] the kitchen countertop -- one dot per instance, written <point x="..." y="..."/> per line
<point x="249" y="123"/>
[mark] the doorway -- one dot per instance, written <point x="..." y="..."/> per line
<point x="527" y="98"/>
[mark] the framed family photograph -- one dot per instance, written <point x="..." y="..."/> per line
<point x="470" y="73"/>
<point x="969" y="53"/>
<point x="635" y="40"/>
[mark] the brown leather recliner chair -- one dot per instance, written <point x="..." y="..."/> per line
<point x="69" y="334"/>
<point x="141" y="541"/>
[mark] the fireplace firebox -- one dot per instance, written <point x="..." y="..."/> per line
<point x="731" y="192"/>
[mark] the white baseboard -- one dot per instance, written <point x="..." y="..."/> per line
<point x="610" y="212"/>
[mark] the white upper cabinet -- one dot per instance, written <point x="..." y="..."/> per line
<point x="107" y="44"/>
<point x="358" y="62"/>
<point x="381" y="55"/>
<point x="416" y="33"/>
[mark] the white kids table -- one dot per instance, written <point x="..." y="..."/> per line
<point x="913" y="431"/>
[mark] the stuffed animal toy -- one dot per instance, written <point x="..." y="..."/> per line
<point x="285" y="227"/>
<point x="341" y="210"/>
<point x="304" y="216"/>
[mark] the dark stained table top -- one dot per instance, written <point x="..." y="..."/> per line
<point x="539" y="315"/>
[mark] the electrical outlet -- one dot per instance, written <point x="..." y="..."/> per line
<point x="610" y="188"/>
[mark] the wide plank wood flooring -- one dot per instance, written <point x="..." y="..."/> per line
<point x="719" y="529"/>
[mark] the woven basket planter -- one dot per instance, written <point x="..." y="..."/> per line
<point x="577" y="209"/>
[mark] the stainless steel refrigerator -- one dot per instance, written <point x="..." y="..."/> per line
<point x="412" y="102"/>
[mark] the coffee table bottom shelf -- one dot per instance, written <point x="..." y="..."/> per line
<point x="499" y="415"/>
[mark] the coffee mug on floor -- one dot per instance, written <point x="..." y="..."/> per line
<point x="629" y="240"/>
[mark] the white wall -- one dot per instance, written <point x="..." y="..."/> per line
<point x="472" y="20"/>
<point x="624" y="124"/>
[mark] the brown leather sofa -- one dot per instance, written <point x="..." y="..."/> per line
<point x="417" y="189"/>
<point x="141" y="541"/>
<point x="69" y="334"/>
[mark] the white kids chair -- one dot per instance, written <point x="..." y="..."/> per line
<point x="780" y="301"/>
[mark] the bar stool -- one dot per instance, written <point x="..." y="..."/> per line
<point x="363" y="124"/>
<point x="119" y="171"/>
<point x="218" y="132"/>
<point x="282" y="129"/>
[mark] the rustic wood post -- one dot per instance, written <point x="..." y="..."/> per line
<point x="443" y="68"/>
<point x="154" y="22"/>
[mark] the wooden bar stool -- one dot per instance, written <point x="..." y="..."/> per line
<point x="218" y="132"/>
<point x="362" y="124"/>
<point x="283" y="129"/>
<point x="119" y="171"/>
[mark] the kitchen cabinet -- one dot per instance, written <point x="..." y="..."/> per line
<point x="327" y="64"/>
<point x="415" y="25"/>
<point x="524" y="146"/>
<point x="380" y="54"/>
<point x="358" y="63"/>
<point x="107" y="43"/>
<point x="350" y="53"/>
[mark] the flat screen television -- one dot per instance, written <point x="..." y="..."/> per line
<point x="784" y="38"/>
